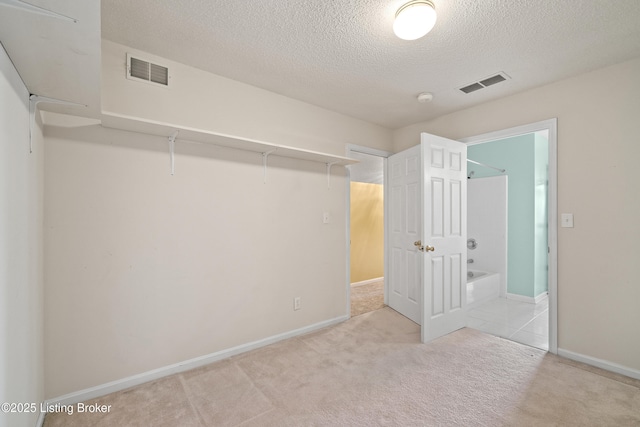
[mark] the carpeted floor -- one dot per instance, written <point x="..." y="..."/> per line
<point x="372" y="370"/>
<point x="366" y="298"/>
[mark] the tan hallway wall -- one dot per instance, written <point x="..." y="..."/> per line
<point x="367" y="231"/>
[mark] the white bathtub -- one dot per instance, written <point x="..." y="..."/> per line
<point x="482" y="287"/>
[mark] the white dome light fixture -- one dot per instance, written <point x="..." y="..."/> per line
<point x="425" y="97"/>
<point x="415" y="19"/>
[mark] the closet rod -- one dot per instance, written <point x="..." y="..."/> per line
<point x="486" y="165"/>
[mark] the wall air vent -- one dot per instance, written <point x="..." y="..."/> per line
<point x="500" y="77"/>
<point x="146" y="71"/>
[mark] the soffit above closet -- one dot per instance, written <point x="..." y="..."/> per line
<point x="57" y="58"/>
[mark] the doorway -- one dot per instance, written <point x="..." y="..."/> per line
<point x="526" y="311"/>
<point x="366" y="194"/>
<point x="547" y="125"/>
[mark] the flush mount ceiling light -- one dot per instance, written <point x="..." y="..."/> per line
<point x="415" y="19"/>
<point x="425" y="97"/>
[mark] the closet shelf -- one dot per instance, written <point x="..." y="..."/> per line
<point x="134" y="124"/>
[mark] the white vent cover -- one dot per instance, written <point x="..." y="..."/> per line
<point x="146" y="71"/>
<point x="497" y="78"/>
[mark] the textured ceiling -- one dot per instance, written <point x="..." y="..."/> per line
<point x="340" y="55"/>
<point x="343" y="55"/>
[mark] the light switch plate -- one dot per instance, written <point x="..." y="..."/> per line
<point x="566" y="220"/>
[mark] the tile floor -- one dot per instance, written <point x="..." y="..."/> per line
<point x="517" y="321"/>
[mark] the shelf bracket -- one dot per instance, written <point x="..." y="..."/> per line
<point x="34" y="100"/>
<point x="265" y="156"/>
<point x="172" y="147"/>
<point x="18" y="4"/>
<point x="329" y="173"/>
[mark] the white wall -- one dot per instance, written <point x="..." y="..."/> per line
<point x="145" y="270"/>
<point x="598" y="134"/>
<point x="487" y="223"/>
<point x="21" y="356"/>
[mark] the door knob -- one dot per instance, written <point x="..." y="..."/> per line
<point x="421" y="248"/>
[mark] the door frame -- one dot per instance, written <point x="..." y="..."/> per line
<point x="551" y="126"/>
<point x="360" y="149"/>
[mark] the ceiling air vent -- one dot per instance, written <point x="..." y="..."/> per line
<point x="471" y="88"/>
<point x="500" y="77"/>
<point x="141" y="70"/>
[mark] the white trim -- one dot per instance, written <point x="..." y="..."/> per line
<point x="347" y="234"/>
<point x="386" y="208"/>
<point x="552" y="223"/>
<point x="600" y="363"/>
<point x="510" y="132"/>
<point x="543" y="296"/>
<point x="122" y="384"/>
<point x="366" y="282"/>
<point x="521" y="298"/>
<point x="530" y="300"/>
<point x="385" y="185"/>
<point x="550" y="125"/>
<point x="352" y="148"/>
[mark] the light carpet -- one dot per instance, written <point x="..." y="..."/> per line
<point x="366" y="298"/>
<point x="372" y="370"/>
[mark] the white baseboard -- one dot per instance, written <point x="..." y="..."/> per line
<point x="521" y="298"/>
<point x="599" y="363"/>
<point x="543" y="296"/>
<point x="366" y="282"/>
<point x="122" y="384"/>
<point x="530" y="300"/>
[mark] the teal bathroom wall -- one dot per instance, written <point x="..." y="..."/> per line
<point x="525" y="158"/>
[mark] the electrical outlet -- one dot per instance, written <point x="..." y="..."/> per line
<point x="296" y="303"/>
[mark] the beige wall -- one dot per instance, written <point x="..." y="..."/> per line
<point x="21" y="291"/>
<point x="145" y="270"/>
<point x="367" y="231"/>
<point x="202" y="100"/>
<point x="598" y="149"/>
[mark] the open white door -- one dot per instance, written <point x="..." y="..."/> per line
<point x="405" y="228"/>
<point x="444" y="236"/>
<point x="427" y="242"/>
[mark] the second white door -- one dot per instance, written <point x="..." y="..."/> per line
<point x="427" y="242"/>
